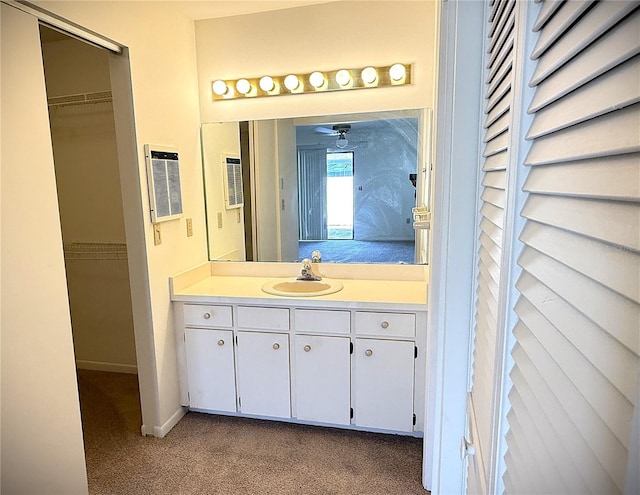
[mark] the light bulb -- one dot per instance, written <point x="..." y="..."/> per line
<point x="343" y="77"/>
<point x="342" y="141"/>
<point x="369" y="75"/>
<point x="291" y="82"/>
<point x="219" y="87"/>
<point x="397" y="72"/>
<point x="316" y="79"/>
<point x="243" y="86"/>
<point x="266" y="83"/>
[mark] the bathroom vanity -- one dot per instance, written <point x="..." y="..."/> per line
<point x="354" y="358"/>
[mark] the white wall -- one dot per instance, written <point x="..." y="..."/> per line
<point x="383" y="193"/>
<point x="226" y="241"/>
<point x="42" y="450"/>
<point x="318" y="37"/>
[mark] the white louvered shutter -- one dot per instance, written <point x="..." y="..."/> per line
<point x="497" y="162"/>
<point x="577" y="338"/>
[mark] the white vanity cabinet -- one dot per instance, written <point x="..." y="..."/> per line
<point x="383" y="384"/>
<point x="322" y="366"/>
<point x="263" y="374"/>
<point x="262" y="348"/>
<point x="338" y="364"/>
<point x="384" y="370"/>
<point x="209" y="357"/>
<point x="210" y="369"/>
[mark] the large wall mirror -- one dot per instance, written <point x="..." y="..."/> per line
<point x="345" y="185"/>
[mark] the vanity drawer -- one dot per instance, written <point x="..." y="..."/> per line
<point x="386" y="324"/>
<point x="207" y="316"/>
<point x="322" y="321"/>
<point x="263" y="318"/>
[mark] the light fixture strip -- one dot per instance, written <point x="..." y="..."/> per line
<point x="382" y="80"/>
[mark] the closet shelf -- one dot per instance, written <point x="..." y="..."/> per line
<point x="80" y="99"/>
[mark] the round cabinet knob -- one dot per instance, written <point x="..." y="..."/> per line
<point x="385" y="324"/>
<point x="207" y="316"/>
<point x="276" y="346"/>
<point x="368" y="352"/>
<point x="307" y="348"/>
<point x="221" y="342"/>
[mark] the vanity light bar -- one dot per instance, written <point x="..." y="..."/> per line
<point x="313" y="82"/>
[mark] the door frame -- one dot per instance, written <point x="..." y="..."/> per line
<point x="454" y="192"/>
<point x="134" y="215"/>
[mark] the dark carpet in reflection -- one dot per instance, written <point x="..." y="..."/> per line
<point x="350" y="251"/>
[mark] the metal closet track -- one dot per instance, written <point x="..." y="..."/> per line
<point x="65" y="26"/>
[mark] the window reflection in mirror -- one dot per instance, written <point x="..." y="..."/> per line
<point x="344" y="185"/>
<point x="339" y="197"/>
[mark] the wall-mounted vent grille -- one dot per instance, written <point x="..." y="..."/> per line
<point x="163" y="174"/>
<point x="233" y="193"/>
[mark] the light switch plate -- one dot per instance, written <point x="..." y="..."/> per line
<point x="157" y="238"/>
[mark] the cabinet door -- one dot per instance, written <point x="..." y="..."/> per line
<point x="263" y="374"/>
<point x="322" y="379"/>
<point x="383" y="387"/>
<point x="210" y="369"/>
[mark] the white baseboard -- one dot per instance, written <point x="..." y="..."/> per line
<point x="162" y="430"/>
<point x="112" y="367"/>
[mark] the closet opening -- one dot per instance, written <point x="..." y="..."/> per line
<point x="90" y="203"/>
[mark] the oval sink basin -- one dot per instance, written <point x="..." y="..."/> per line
<point x="301" y="288"/>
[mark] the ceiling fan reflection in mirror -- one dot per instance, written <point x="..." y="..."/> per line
<point x="340" y="130"/>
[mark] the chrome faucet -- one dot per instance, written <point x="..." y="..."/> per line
<point x="316" y="256"/>
<point x="307" y="272"/>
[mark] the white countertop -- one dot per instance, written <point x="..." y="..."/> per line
<point x="211" y="283"/>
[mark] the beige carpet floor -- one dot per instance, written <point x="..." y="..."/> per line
<point x="208" y="454"/>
